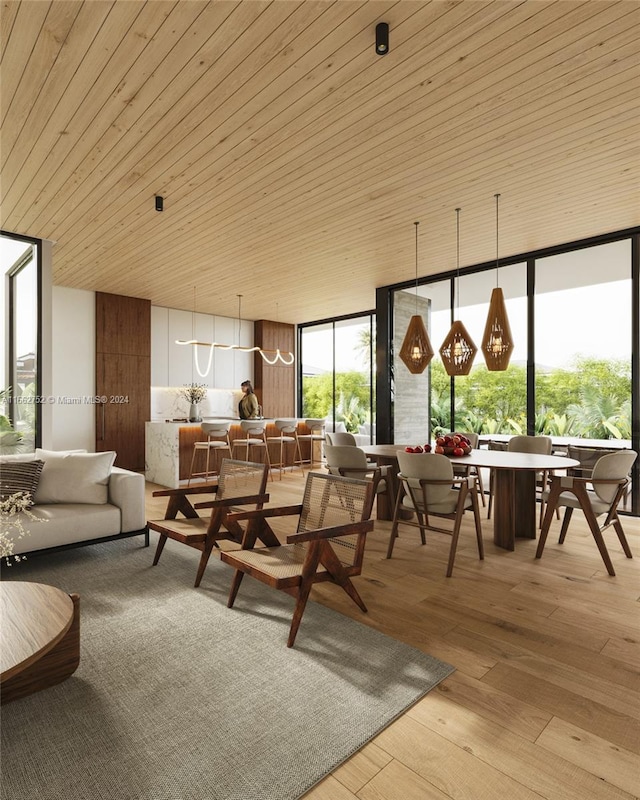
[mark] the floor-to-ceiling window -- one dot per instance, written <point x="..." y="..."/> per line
<point x="336" y="374"/>
<point x="574" y="371"/>
<point x="583" y="342"/>
<point x="19" y="393"/>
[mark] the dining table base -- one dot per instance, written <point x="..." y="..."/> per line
<point x="514" y="507"/>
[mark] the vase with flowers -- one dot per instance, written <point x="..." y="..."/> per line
<point x="13" y="509"/>
<point x="195" y="394"/>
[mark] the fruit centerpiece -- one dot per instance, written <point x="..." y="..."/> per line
<point x="450" y="445"/>
<point x="454" y="445"/>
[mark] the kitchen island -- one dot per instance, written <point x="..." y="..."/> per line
<point x="169" y="449"/>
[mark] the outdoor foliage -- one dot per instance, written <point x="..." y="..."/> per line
<point x="592" y="400"/>
<point x="352" y="395"/>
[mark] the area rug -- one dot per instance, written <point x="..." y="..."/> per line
<point x="178" y="697"/>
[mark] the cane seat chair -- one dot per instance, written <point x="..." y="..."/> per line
<point x="333" y="521"/>
<point x="255" y="436"/>
<point x="287" y="434"/>
<point x="462" y="469"/>
<point x="239" y="484"/>
<point x="216" y="443"/>
<point x="316" y="435"/>
<point x="431" y="490"/>
<point x="598" y="495"/>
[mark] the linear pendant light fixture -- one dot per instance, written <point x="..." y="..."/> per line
<point x="285" y="357"/>
<point x="458" y="350"/>
<point x="497" y="342"/>
<point x="416" y="351"/>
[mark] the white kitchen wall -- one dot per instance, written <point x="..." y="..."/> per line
<point x="174" y="365"/>
<point x="73" y="346"/>
<point x="72" y="414"/>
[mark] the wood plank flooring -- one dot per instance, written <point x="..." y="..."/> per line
<point x="545" y="700"/>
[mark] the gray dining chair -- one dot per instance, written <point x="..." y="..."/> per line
<point x="608" y="481"/>
<point x="431" y="490"/>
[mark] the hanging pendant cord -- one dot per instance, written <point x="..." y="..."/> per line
<point x="416" y="224"/>
<point x="457" y="293"/>
<point x="497" y="229"/>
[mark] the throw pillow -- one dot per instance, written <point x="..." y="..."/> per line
<point x="18" y="476"/>
<point x="75" y="477"/>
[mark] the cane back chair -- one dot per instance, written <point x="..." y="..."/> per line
<point x="239" y="484"/>
<point x="333" y="521"/>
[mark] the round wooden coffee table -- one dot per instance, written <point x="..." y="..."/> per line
<point x="40" y="637"/>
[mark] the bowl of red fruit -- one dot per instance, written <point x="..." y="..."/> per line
<point x="453" y="445"/>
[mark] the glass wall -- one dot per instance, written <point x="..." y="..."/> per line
<point x="493" y="402"/>
<point x="583" y="317"/>
<point x="336" y="363"/>
<point x="20" y="335"/>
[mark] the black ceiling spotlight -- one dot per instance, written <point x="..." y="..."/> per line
<point x="382" y="38"/>
<point x="159" y="203"/>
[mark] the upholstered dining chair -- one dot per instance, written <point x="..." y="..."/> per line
<point x="342" y="438"/>
<point x="216" y="443"/>
<point x="333" y="521"/>
<point x="239" y="484"/>
<point x="287" y="434"/>
<point x="431" y="490"/>
<point x="351" y="462"/>
<point x="588" y="456"/>
<point x="462" y="469"/>
<point x="608" y="481"/>
<point x="525" y="444"/>
<point x="255" y="435"/>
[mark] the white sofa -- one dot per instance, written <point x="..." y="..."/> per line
<point x="115" y="506"/>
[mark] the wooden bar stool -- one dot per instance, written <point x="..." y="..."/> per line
<point x="288" y="435"/>
<point x="317" y="434"/>
<point x="217" y="440"/>
<point x="255" y="436"/>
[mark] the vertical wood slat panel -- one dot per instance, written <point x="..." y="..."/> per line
<point x="123" y="376"/>
<point x="274" y="383"/>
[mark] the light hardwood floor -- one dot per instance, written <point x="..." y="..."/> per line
<point x="545" y="700"/>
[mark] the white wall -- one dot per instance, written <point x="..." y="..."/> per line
<point x="174" y="365"/>
<point x="73" y="361"/>
<point x="70" y="419"/>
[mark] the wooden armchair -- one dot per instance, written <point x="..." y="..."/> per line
<point x="596" y="496"/>
<point x="333" y="521"/>
<point x="240" y="483"/>
<point x="431" y="490"/>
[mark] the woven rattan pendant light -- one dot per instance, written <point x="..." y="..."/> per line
<point x="497" y="341"/>
<point x="458" y="350"/>
<point x="416" y="351"/>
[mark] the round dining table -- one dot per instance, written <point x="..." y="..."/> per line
<point x="514" y="515"/>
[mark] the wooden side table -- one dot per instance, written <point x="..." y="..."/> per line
<point x="39" y="637"/>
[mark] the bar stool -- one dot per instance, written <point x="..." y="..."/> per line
<point x="217" y="439"/>
<point x="316" y="426"/>
<point x="288" y="434"/>
<point x="255" y="436"/>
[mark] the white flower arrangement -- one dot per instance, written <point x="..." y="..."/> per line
<point x="11" y="527"/>
<point x="194" y="392"/>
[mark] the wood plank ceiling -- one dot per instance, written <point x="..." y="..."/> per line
<point x="293" y="160"/>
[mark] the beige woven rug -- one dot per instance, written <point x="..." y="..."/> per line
<point x="179" y="698"/>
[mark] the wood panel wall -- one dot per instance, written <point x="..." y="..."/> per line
<point x="274" y="384"/>
<point x="123" y="376"/>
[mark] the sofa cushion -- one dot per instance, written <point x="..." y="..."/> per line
<point x="66" y="524"/>
<point x="20" y="477"/>
<point x="74" y="477"/>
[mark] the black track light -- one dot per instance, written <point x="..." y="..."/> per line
<point x="159" y="203"/>
<point x="382" y="38"/>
